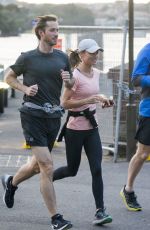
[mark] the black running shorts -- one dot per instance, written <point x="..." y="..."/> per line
<point x="143" y="131"/>
<point x="40" y="131"/>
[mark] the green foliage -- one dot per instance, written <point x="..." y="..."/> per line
<point x="18" y="18"/>
<point x="12" y="20"/>
<point x="15" y="19"/>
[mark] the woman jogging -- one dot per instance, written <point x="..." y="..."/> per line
<point x="81" y="128"/>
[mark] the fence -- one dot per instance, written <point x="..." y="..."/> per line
<point x="114" y="64"/>
<point x="111" y="61"/>
<point x="3" y="91"/>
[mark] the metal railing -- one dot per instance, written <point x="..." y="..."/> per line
<point x="114" y="80"/>
<point x="110" y="62"/>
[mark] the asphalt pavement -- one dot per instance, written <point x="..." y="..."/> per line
<point x="74" y="195"/>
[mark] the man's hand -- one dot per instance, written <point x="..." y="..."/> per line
<point x="31" y="90"/>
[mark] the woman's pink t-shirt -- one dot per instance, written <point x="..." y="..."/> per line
<point x="84" y="87"/>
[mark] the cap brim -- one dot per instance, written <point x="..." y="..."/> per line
<point x="93" y="49"/>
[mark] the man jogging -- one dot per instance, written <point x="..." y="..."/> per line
<point x="44" y="69"/>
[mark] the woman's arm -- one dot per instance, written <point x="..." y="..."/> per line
<point x="69" y="103"/>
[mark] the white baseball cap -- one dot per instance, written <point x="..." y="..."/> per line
<point x="89" y="45"/>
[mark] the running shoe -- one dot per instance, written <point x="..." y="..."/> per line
<point x="130" y="200"/>
<point x="59" y="223"/>
<point x="9" y="190"/>
<point x="101" y="217"/>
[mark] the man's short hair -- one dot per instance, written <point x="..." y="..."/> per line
<point x="40" y="23"/>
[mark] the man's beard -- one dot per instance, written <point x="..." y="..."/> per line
<point x="52" y="43"/>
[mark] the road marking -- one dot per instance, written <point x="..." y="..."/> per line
<point x="8" y="161"/>
<point x="13" y="160"/>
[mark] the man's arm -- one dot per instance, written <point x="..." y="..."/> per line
<point x="141" y="70"/>
<point x="11" y="79"/>
<point x="141" y="80"/>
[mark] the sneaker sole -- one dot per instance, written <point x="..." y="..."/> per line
<point x="67" y="226"/>
<point x="127" y="206"/>
<point x="3" y="182"/>
<point x="4" y="200"/>
<point x="106" y="220"/>
<point x="4" y="186"/>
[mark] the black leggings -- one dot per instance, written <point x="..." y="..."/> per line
<point x="90" y="140"/>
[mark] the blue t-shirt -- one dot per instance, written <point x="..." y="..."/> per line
<point x="142" y="69"/>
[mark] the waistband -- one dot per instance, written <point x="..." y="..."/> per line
<point x="81" y="113"/>
<point x="86" y="113"/>
<point x="47" y="107"/>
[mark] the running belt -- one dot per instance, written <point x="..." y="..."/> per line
<point x="86" y="113"/>
<point x="47" y="107"/>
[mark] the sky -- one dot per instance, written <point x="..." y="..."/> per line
<point x="76" y="1"/>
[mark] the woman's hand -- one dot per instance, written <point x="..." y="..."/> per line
<point x="94" y="99"/>
<point x="107" y="102"/>
<point x="69" y="82"/>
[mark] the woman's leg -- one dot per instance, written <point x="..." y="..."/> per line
<point x="74" y="143"/>
<point x="93" y="149"/>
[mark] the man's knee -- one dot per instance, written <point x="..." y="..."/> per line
<point x="36" y="169"/>
<point x="46" y="168"/>
<point x="142" y="151"/>
<point x="142" y="156"/>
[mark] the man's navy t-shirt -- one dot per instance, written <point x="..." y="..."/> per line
<point x="44" y="70"/>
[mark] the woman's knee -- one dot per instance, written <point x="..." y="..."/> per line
<point x="72" y="172"/>
<point x="96" y="172"/>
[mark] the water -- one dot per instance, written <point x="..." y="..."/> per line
<point x="11" y="47"/>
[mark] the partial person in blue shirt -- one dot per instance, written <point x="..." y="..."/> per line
<point x="140" y="78"/>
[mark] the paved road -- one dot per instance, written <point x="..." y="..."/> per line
<point x="74" y="195"/>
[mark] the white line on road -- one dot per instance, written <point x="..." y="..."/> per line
<point x="13" y="160"/>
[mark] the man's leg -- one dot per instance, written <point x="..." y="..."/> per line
<point x="26" y="171"/>
<point x="44" y="159"/>
<point x="135" y="165"/>
<point x="45" y="163"/>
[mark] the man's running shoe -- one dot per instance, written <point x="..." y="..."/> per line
<point x="101" y="217"/>
<point x="130" y="200"/>
<point x="59" y="223"/>
<point x="9" y="190"/>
